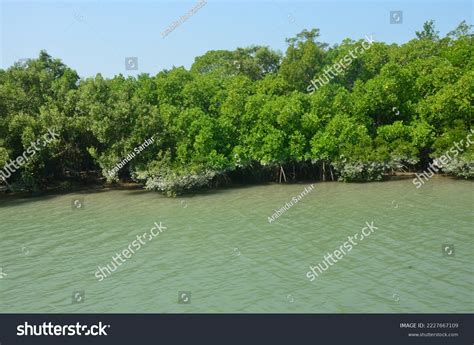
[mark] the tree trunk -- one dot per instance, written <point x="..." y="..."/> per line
<point x="324" y="171"/>
<point x="282" y="173"/>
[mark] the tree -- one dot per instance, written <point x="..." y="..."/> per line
<point x="428" y="32"/>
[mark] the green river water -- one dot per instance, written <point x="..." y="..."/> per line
<point x="220" y="250"/>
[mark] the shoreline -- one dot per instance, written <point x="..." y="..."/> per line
<point x="92" y="187"/>
<point x="128" y="185"/>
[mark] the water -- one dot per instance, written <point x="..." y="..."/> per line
<point x="220" y="248"/>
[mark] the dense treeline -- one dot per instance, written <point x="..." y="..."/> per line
<point x="246" y="115"/>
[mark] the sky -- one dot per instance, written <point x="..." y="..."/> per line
<point x="98" y="36"/>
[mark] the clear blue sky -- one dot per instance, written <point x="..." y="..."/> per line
<point x="96" y="36"/>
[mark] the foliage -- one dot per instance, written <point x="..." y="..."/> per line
<point x="246" y="110"/>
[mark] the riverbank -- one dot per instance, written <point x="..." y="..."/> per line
<point x="74" y="189"/>
<point x="100" y="185"/>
